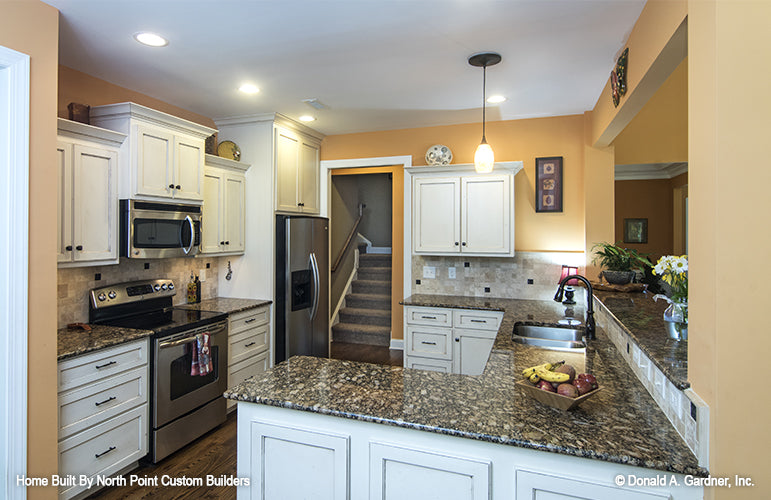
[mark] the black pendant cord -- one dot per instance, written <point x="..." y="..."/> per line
<point x="484" y="98"/>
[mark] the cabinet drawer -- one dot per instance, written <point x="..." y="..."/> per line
<point x="428" y="316"/>
<point x="477" y="320"/>
<point x="94" y="403"/>
<point x="431" y="364"/>
<point x="248" y="319"/>
<point x="247" y="343"/>
<point x="104" y="449"/>
<point x="104" y="363"/>
<point x="239" y="372"/>
<point x="429" y="342"/>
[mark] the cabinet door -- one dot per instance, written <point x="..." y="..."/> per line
<point x="532" y="485"/>
<point x="398" y="473"/>
<point x="235" y="212"/>
<point x="470" y="350"/>
<point x="287" y="176"/>
<point x="212" y="237"/>
<point x="436" y="212"/>
<point x="64" y="202"/>
<point x="486" y="214"/>
<point x="154" y="168"/>
<point x="309" y="177"/>
<point x="188" y="168"/>
<point x="95" y="218"/>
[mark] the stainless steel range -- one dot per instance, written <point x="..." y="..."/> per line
<point x="188" y="363"/>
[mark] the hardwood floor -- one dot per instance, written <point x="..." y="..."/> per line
<point x="366" y="353"/>
<point x="213" y="454"/>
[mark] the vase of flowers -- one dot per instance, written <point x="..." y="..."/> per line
<point x="673" y="271"/>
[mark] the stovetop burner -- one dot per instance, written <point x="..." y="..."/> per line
<point x="168" y="321"/>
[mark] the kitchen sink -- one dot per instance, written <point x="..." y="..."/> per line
<point x="549" y="337"/>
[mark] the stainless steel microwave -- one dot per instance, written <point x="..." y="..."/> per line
<point x="154" y="230"/>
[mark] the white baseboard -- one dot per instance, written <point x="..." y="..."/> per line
<point x="386" y="250"/>
<point x="397" y="344"/>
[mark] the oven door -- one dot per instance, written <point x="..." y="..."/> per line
<point x="159" y="230"/>
<point x="177" y="392"/>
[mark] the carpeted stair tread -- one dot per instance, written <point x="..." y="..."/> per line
<point x="362" y="334"/>
<point x="371" y="286"/>
<point x="368" y="301"/>
<point x="358" y="316"/>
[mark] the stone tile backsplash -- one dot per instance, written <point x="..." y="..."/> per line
<point x="505" y="277"/>
<point x="74" y="283"/>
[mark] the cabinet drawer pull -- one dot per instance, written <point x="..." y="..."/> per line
<point x="428" y="343"/>
<point x="68" y="248"/>
<point x="250" y="320"/>
<point x="106" y="365"/>
<point x="79" y="248"/>
<point x="105" y="401"/>
<point x="457" y="339"/>
<point x="478" y="321"/>
<point x="428" y="317"/>
<point x="171" y="186"/>
<point x="250" y="344"/>
<point x="178" y="186"/>
<point x="456" y="243"/>
<point x="108" y="450"/>
<point x="463" y="244"/>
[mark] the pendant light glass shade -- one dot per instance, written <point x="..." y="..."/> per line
<point x="484" y="158"/>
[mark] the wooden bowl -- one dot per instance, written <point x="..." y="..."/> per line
<point x="552" y="398"/>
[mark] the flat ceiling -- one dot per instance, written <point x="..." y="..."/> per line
<point x="375" y="65"/>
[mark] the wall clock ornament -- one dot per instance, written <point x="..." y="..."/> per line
<point x="618" y="77"/>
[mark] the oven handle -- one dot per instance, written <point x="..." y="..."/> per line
<point x="192" y="235"/>
<point x="172" y="343"/>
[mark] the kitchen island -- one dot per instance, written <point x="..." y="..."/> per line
<point x="381" y="431"/>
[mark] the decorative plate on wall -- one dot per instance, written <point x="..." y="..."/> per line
<point x="438" y="155"/>
<point x="229" y="150"/>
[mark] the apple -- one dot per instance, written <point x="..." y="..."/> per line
<point x="545" y="386"/>
<point x="588" y="377"/>
<point x="567" y="390"/>
<point x="582" y="386"/>
<point x="571" y="372"/>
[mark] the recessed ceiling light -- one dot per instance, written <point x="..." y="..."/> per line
<point x="248" y="88"/>
<point x="150" y="39"/>
<point x="307" y="118"/>
<point x="495" y="99"/>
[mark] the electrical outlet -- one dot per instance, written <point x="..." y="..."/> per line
<point x="530" y="281"/>
<point x="202" y="275"/>
<point x="429" y="272"/>
<point x="451" y="273"/>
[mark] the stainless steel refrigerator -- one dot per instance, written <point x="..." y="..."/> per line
<point x="302" y="286"/>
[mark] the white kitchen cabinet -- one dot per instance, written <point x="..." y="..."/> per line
<point x="87" y="194"/>
<point x="224" y="206"/>
<point x="533" y="485"/>
<point x="455" y="211"/>
<point x="449" y="340"/>
<point x="400" y="473"/>
<point x="163" y="157"/>
<point x="103" y="412"/>
<point x="249" y="345"/>
<point x="297" y="171"/>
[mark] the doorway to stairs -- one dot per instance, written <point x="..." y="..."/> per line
<point x="366" y="239"/>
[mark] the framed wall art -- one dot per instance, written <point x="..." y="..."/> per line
<point x="635" y="230"/>
<point x="548" y="184"/>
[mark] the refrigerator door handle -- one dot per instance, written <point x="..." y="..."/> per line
<point x="316" y="284"/>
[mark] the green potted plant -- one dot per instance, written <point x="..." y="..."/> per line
<point x="619" y="264"/>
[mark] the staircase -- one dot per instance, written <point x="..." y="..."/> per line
<point x="366" y="317"/>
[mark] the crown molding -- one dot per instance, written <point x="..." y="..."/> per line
<point x="650" y="171"/>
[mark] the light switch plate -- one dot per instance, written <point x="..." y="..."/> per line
<point x="429" y="272"/>
<point x="451" y="273"/>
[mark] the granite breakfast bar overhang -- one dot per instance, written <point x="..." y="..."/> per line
<point x="619" y="429"/>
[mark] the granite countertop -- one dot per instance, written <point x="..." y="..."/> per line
<point x="620" y="424"/>
<point x="643" y="320"/>
<point x="226" y="305"/>
<point x="74" y="342"/>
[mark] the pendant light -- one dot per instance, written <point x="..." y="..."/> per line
<point x="484" y="157"/>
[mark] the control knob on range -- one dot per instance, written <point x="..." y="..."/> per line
<point x="112" y="294"/>
<point x="157" y="287"/>
<point x="101" y="297"/>
<point x="171" y="286"/>
<point x="164" y="286"/>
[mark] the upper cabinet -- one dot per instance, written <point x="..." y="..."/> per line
<point x="164" y="156"/>
<point x="87" y="159"/>
<point x="297" y="170"/>
<point x="456" y="211"/>
<point x="224" y="209"/>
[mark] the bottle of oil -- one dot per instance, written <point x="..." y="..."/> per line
<point x="193" y="294"/>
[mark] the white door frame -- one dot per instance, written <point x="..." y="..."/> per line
<point x="14" y="255"/>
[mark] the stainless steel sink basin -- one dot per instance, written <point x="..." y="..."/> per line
<point x="549" y="337"/>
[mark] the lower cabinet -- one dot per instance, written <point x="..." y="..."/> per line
<point x="249" y="346"/>
<point x="286" y="454"/>
<point x="103" y="412"/>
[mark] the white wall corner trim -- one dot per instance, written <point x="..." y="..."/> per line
<point x="397" y="344"/>
<point x="14" y="240"/>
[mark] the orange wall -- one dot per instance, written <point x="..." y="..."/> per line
<point x="659" y="132"/>
<point x="32" y="27"/>
<point x="512" y="141"/>
<point x="75" y="86"/>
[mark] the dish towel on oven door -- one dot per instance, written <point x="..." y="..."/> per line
<point x="202" y="364"/>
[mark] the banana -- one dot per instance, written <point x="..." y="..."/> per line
<point x="534" y="378"/>
<point x="551" y="376"/>
<point x="529" y="371"/>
